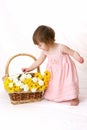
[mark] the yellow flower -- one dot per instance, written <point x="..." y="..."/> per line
<point x="27" y="82"/>
<point x="17" y="89"/>
<point x="47" y="74"/>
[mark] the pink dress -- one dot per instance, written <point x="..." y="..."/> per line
<point x="64" y="82"/>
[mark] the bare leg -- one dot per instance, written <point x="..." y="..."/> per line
<point x="74" y="102"/>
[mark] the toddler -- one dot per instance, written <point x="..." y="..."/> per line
<point x="64" y="83"/>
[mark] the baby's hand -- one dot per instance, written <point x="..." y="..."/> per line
<point x="25" y="70"/>
<point x="81" y="60"/>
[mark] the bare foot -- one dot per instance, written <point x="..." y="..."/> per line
<point x="74" y="102"/>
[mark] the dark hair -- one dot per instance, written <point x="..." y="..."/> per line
<point x="43" y="34"/>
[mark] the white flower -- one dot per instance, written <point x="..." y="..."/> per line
<point x="34" y="79"/>
<point x="15" y="81"/>
<point x="38" y="79"/>
<point x="28" y="76"/>
<point x="10" y="85"/>
<point x="26" y="88"/>
<point x="18" y="83"/>
<point x="40" y="82"/>
<point x="22" y="86"/>
<point x="10" y="78"/>
<point x="33" y="90"/>
<point x="23" y="77"/>
<point x="14" y="78"/>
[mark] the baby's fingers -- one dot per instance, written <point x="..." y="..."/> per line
<point x="24" y="69"/>
<point x="81" y="60"/>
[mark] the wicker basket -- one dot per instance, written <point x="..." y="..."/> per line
<point x="22" y="97"/>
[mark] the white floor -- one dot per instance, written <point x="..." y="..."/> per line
<point x="43" y="115"/>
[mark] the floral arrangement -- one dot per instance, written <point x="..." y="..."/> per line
<point x="27" y="82"/>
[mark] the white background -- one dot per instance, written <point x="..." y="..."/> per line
<point x="18" y="20"/>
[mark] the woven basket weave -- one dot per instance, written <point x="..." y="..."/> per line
<point x="22" y="97"/>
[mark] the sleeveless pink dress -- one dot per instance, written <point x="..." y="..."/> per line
<point x="64" y="84"/>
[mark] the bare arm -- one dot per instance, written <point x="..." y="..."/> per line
<point x="37" y="63"/>
<point x="73" y="53"/>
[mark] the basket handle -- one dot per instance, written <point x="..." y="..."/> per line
<point x="14" y="56"/>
